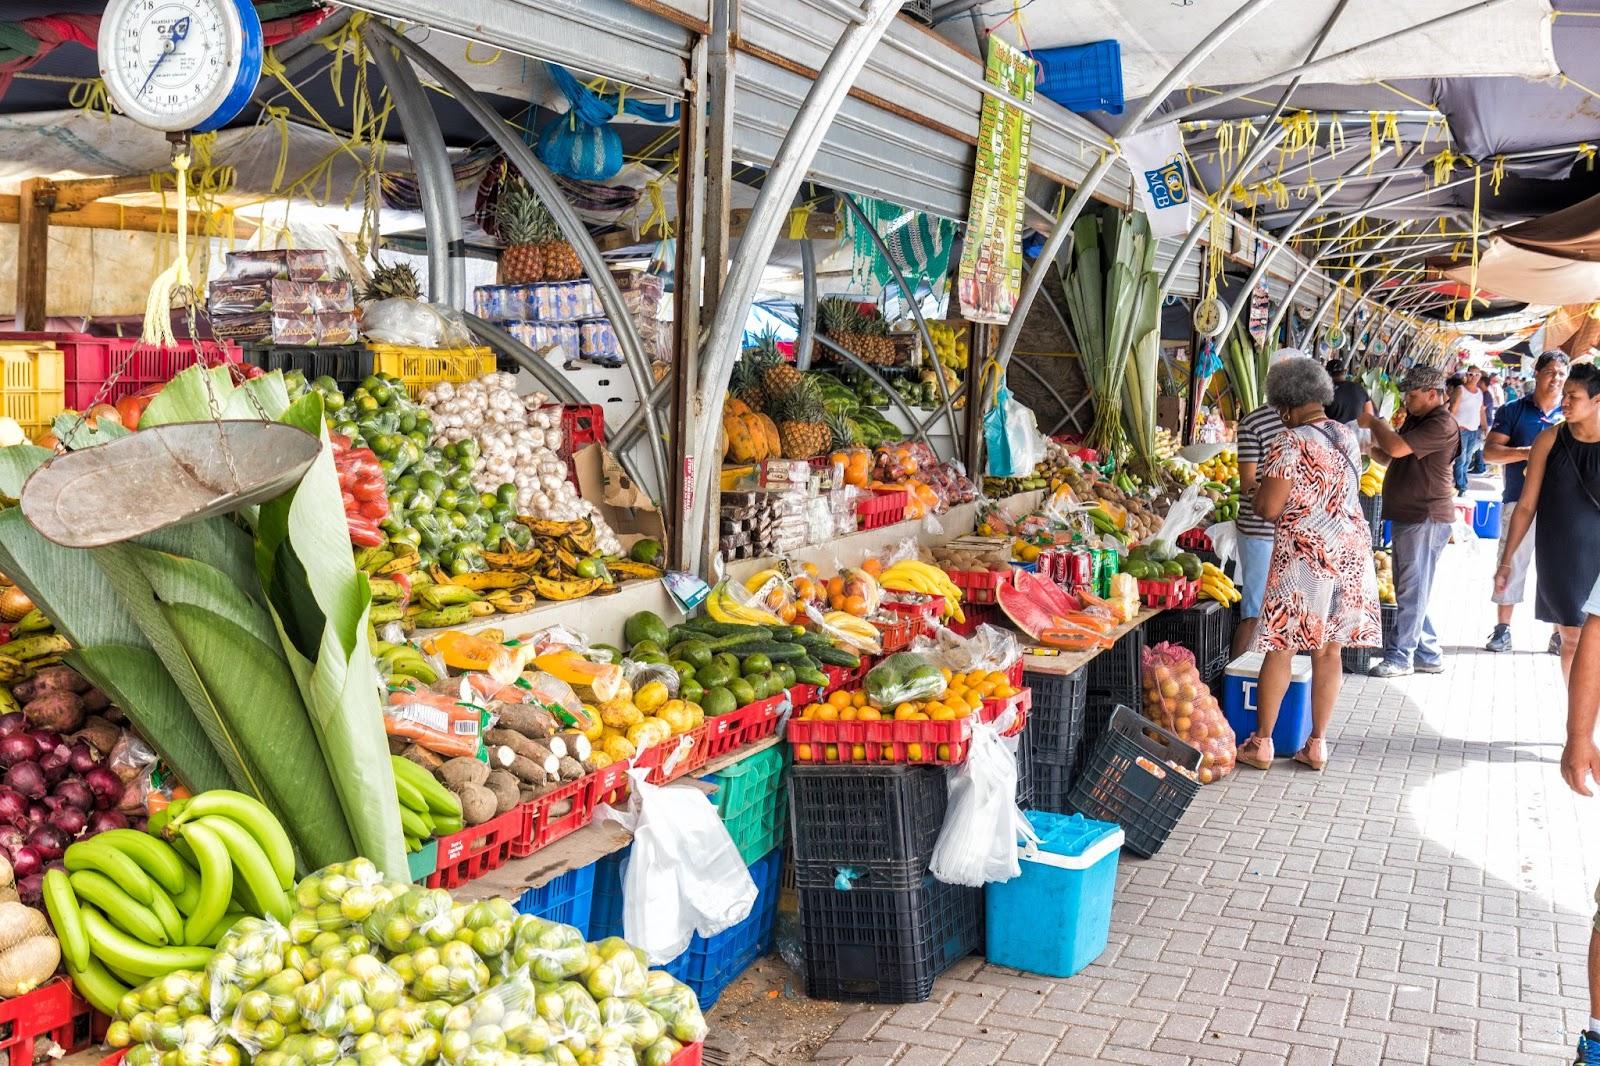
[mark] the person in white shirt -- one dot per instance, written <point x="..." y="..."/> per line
<point x="1470" y="413"/>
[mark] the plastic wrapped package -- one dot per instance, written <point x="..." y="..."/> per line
<point x="548" y="950"/>
<point x="978" y="842"/>
<point x="248" y="956"/>
<point x="1177" y="700"/>
<point x="620" y="971"/>
<point x="675" y="1002"/>
<point x="413" y="919"/>
<point x="452" y="972"/>
<point x="345" y="1001"/>
<point x="448" y="723"/>
<point x="640" y="1025"/>
<point x="844" y="638"/>
<point x="903" y="677"/>
<point x="1015" y="445"/>
<point x="400" y="320"/>
<point x="1186" y="512"/>
<point x="339" y="898"/>
<point x="989" y="648"/>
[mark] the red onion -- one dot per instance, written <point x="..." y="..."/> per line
<point x="55" y="763"/>
<point x="26" y="778"/>
<point x="81" y="757"/>
<point x="31" y="889"/>
<point x="11" y="838"/>
<point x="75" y="793"/>
<point x="70" y="820"/>
<point x="48" y="841"/>
<point x="100" y="821"/>
<point x="17" y="747"/>
<point x="46" y="740"/>
<point x="38" y="814"/>
<point x="105" y="785"/>
<point x="12" y="723"/>
<point x="26" y="861"/>
<point x="13" y="806"/>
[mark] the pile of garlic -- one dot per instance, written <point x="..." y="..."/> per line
<point x="518" y="442"/>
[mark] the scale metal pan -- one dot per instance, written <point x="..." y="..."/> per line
<point x="164" y="476"/>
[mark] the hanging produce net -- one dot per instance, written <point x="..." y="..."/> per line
<point x="919" y="243"/>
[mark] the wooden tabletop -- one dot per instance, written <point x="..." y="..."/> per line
<point x="1040" y="660"/>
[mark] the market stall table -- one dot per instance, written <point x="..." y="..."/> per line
<point x="1041" y="660"/>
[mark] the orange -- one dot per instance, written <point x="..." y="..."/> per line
<point x="855" y="605"/>
<point x="872" y="566"/>
<point x="914" y="752"/>
<point x="944" y="752"/>
<point x="904" y="708"/>
<point x="836" y="586"/>
<point x="940" y="713"/>
<point x="1004" y="690"/>
<point x="858" y="752"/>
<point x="831" y="753"/>
<point x="827" y="712"/>
<point x="946" y="674"/>
<point x="847" y="714"/>
<point x="841" y="698"/>
<point x="859" y="699"/>
<point x="802" y="752"/>
<point x="869" y="714"/>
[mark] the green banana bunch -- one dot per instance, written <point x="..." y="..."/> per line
<point x="403" y="660"/>
<point x="427" y="808"/>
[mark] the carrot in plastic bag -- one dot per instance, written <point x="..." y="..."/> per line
<point x="445" y="724"/>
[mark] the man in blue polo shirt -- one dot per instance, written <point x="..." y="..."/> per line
<point x="1510" y="439"/>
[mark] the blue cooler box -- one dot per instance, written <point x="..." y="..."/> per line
<point x="1055" y="917"/>
<point x="1239" y="702"/>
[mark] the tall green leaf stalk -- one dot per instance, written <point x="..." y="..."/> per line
<point x="1113" y="294"/>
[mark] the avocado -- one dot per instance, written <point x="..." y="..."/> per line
<point x="743" y="691"/>
<point x="645" y="625"/>
<point x="1190" y="564"/>
<point x="755" y="664"/>
<point x="644" y="647"/>
<point x="684" y="668"/>
<point x="712" y="676"/>
<point x="785" y="674"/>
<point x="647" y="550"/>
<point x="718" y="701"/>
<point x="690" y="691"/>
<point x="697" y="653"/>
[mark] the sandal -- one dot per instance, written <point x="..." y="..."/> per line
<point x="1257" y="752"/>
<point x="1314" y="754"/>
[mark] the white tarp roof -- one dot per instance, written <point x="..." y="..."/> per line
<point x="1508" y="38"/>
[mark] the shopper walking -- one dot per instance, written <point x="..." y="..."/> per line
<point x="1467" y="406"/>
<point x="1516" y="426"/>
<point x="1562" y="490"/>
<point x="1418" y="504"/>
<point x="1580" y="765"/>
<point x="1322" y="592"/>
<point x="1350" y="397"/>
<point x="1255" y="433"/>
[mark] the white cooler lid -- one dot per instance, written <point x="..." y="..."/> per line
<point x="1249" y="665"/>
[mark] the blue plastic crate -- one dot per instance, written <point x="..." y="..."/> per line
<point x="1082" y="77"/>
<point x="1239" y="683"/>
<point x="711" y="963"/>
<point x="567" y="899"/>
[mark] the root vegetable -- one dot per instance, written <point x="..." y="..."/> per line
<point x="59" y="712"/>
<point x="18" y="923"/>
<point x="534" y="722"/>
<point x="477" y="803"/>
<point x="571" y="769"/>
<point x="50" y="679"/>
<point x="95" y="701"/>
<point x="506" y="791"/>
<point x="576" y="744"/>
<point x="29" y="964"/>
<point x="535" y="774"/>
<point x="462" y="771"/>
<point x="428" y="760"/>
<point x="521" y="745"/>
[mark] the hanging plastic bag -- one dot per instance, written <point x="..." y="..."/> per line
<point x="684" y="874"/>
<point x="903" y="677"/>
<point x="978" y="843"/>
<point x="989" y="648"/>
<point x="1187" y="512"/>
<point x="1015" y="445"/>
<point x="1224" y="541"/>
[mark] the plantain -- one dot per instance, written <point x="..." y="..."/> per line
<point x="401" y="564"/>
<point x="568" y="560"/>
<point x="513" y="601"/>
<point x="481" y="608"/>
<point x="545" y="527"/>
<point x="484" y="580"/>
<point x="629" y="568"/>
<point x="386" y="588"/>
<point x="38" y="646"/>
<point x="13" y="670"/>
<point x="32" y="622"/>
<point x="369" y="559"/>
<point x="513" y="560"/>
<point x="440" y="596"/>
<point x="572" y="589"/>
<point x="379" y="613"/>
<point x="444" y="618"/>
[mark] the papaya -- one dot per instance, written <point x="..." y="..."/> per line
<point x="769" y="430"/>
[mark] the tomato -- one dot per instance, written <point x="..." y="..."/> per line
<point x="131" y="408"/>
<point x="375" y="509"/>
<point x="364" y="534"/>
<point x="368" y="485"/>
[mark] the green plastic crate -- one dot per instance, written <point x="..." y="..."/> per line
<point x="423" y="863"/>
<point x="753" y="802"/>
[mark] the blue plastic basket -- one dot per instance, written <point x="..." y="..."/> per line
<point x="710" y="964"/>
<point x="1082" y="77"/>
<point x="566" y="899"/>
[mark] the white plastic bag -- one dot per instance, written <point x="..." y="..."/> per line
<point x="1224" y="541"/>
<point x="978" y="843"/>
<point x="1185" y="513"/>
<point x="684" y="875"/>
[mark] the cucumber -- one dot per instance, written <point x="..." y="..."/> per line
<point x="809" y="675"/>
<point x="777" y="651"/>
<point x="720" y="629"/>
<point x="831" y="656"/>
<point x="741" y="641"/>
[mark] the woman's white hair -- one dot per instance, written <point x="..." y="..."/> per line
<point x="1297" y="381"/>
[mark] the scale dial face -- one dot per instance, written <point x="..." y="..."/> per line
<point x="1209" y="316"/>
<point x="178" y="65"/>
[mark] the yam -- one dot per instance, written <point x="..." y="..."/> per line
<point x="18" y="923"/>
<point x="477" y="803"/>
<point x="571" y="769"/>
<point x="95" y="701"/>
<point x="532" y="773"/>
<point x="397" y="745"/>
<point x="578" y="745"/>
<point x="100" y="734"/>
<point x="529" y="720"/>
<point x="50" y="679"/>
<point x="522" y="745"/>
<point x="463" y="771"/>
<point x="59" y="712"/>
<point x="428" y="760"/>
<point x="29" y="963"/>
<point x="507" y="793"/>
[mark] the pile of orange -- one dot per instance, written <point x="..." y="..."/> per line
<point x="857" y="464"/>
<point x="963" y="695"/>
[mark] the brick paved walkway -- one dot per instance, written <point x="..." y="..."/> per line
<point x="1426" y="900"/>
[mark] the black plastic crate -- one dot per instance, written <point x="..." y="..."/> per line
<point x="1362" y="660"/>
<point x="1203" y="629"/>
<point x="1055" y="721"/>
<point x="1117" y="668"/>
<point x="1129" y="780"/>
<point x="1097" y="711"/>
<point x="1372" y="510"/>
<point x="1026" y="774"/>
<point x="347" y="364"/>
<point x="882" y="946"/>
<point x="873" y="818"/>
<point x="1052" y="784"/>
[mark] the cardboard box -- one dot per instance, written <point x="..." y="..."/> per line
<point x="625" y="506"/>
<point x="1169" y="413"/>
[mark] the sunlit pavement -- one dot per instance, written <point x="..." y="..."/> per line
<point x="1427" y="899"/>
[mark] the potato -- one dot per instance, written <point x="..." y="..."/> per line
<point x="100" y="734"/>
<point x="18" y="923"/>
<point x="59" y="712"/>
<point x="428" y="760"/>
<point x="478" y="804"/>
<point x="50" y="679"/>
<point x="463" y="771"/>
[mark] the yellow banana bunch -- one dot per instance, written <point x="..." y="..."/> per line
<point x="724" y="608"/>
<point x="850" y="625"/>
<point x="1372" y="479"/>
<point x="757" y="581"/>
<point x="1216" y="585"/>
<point x="914" y="575"/>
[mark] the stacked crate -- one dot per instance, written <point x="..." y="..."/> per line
<point x="1052" y="740"/>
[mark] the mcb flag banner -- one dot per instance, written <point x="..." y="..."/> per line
<point x="1162" y="178"/>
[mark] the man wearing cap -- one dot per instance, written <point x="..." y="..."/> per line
<point x="1349" y="397"/>
<point x="1418" y="501"/>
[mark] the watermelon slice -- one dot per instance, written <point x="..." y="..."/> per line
<point x="1046" y="593"/>
<point x="1026" y="613"/>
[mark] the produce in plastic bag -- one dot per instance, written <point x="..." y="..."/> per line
<point x="640" y="1025"/>
<point x="855" y="633"/>
<point x="247" y="957"/>
<point x="414" y="324"/>
<point x="978" y="843"/>
<point x="548" y="950"/>
<point x="1012" y="432"/>
<point x="346" y="1002"/>
<point x="661" y="1053"/>
<point x="414" y="919"/>
<point x="1177" y="700"/>
<point x="453" y="972"/>
<point x="989" y="648"/>
<point x="677" y="1005"/>
<point x="902" y="678"/>
<point x="1187" y="512"/>
<point x="338" y="898"/>
<point x="619" y="970"/>
<point x="572" y="1013"/>
<point x="854" y="591"/>
<point x="450" y="724"/>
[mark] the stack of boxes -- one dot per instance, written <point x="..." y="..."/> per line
<point x="555" y="314"/>
<point x="762" y="522"/>
<point x="283" y="297"/>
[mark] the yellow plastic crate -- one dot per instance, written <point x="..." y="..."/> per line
<point x="420" y="368"/>
<point x="35" y="386"/>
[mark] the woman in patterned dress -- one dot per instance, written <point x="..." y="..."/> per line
<point x="1322" y="593"/>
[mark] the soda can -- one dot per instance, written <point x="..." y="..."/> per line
<point x="482" y="302"/>
<point x="588" y="303"/>
<point x="606" y="338"/>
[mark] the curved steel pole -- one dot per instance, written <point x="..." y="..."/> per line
<point x="808" y="305"/>
<point x="851" y="357"/>
<point x="634" y="424"/>
<point x="540" y="179"/>
<point x="1080" y="196"/>
<point x="1327" y="302"/>
<point x="447" y="267"/>
<point x="916" y="312"/>
<point x="790" y="164"/>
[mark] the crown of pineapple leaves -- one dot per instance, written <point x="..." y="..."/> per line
<point x="390" y="280"/>
<point x="522" y="217"/>
<point x="800" y="403"/>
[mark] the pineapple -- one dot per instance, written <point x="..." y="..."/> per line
<point x="391" y="280"/>
<point x="522" y="221"/>
<point x="865" y="335"/>
<point x="745" y="382"/>
<point x="840" y="430"/>
<point x="801" y="417"/>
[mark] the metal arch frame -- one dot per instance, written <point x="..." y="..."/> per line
<point x="1328" y="301"/>
<point x="861" y="364"/>
<point x="447" y="268"/>
<point x="1234" y="93"/>
<point x="1420" y="194"/>
<point x="1034" y="279"/>
<point x="793" y="159"/>
<point x="535" y="173"/>
<point x="808" y="306"/>
<point x="916" y="312"/>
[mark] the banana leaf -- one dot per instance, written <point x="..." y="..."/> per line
<point x="1139" y="397"/>
<point x="186" y="398"/>
<point x="319" y="603"/>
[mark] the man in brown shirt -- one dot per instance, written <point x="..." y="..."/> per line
<point x="1418" y="500"/>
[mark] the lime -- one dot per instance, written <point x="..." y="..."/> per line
<point x="645" y="551"/>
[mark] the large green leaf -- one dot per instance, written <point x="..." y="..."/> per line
<point x="186" y="397"/>
<point x="320" y="603"/>
<point x="16" y="464"/>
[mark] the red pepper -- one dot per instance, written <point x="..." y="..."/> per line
<point x="364" y="533"/>
<point x="368" y="486"/>
<point x="375" y="509"/>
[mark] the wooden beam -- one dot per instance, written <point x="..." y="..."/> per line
<point x="80" y="192"/>
<point x="33" y="252"/>
<point x="133" y="219"/>
<point x="820" y="226"/>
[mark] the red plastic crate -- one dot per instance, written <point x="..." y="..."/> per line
<point x="883" y="741"/>
<point x="52" y="1010"/>
<point x="689" y="1056"/>
<point x="975" y="615"/>
<point x="882" y="509"/>
<point x="686" y="753"/>
<point x="477" y="849"/>
<point x="844" y="677"/>
<point x="895" y="631"/>
<point x="1022" y="700"/>
<point x="582" y="424"/>
<point x="1014" y="674"/>
<point x="923" y="610"/>
<point x="90" y="360"/>
<point x="749" y="723"/>
<point x="609" y="784"/>
<point x="548" y="818"/>
<point x="1168" y="592"/>
<point x="1195" y="540"/>
<point x="977" y="586"/>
